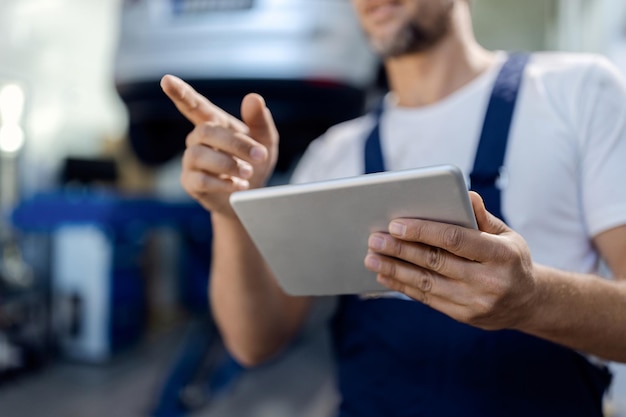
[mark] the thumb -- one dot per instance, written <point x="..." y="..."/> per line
<point x="486" y="221"/>
<point x="259" y="120"/>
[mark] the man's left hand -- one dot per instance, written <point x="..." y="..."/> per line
<point x="484" y="277"/>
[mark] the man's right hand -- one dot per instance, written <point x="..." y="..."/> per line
<point x="223" y="154"/>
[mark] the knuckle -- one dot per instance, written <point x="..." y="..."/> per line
<point x="425" y="283"/>
<point x="483" y="309"/>
<point x="204" y="183"/>
<point x="197" y="184"/>
<point x="469" y="317"/>
<point x="452" y="238"/>
<point x="435" y="259"/>
<point x="397" y="248"/>
<point x="396" y="286"/>
<point x="389" y="268"/>
<point x="195" y="135"/>
<point x="511" y="254"/>
<point x="226" y="165"/>
<point x="199" y="134"/>
<point x="191" y="186"/>
<point x="207" y="129"/>
<point x="487" y="307"/>
<point x="503" y="253"/>
<point x="242" y="147"/>
<point x="497" y="288"/>
<point x="188" y="96"/>
<point x="192" y="155"/>
<point x="417" y="231"/>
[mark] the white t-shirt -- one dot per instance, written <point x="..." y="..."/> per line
<point x="564" y="177"/>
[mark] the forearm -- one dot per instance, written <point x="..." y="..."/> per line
<point x="584" y="312"/>
<point x="256" y="318"/>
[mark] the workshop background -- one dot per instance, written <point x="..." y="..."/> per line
<point x="104" y="260"/>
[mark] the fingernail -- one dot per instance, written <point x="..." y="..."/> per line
<point x="396" y="228"/>
<point x="241" y="184"/>
<point x="258" y="154"/>
<point x="372" y="262"/>
<point x="383" y="281"/>
<point x="376" y="242"/>
<point x="245" y="170"/>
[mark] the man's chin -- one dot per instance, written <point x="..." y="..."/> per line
<point x="406" y="40"/>
<point x="387" y="42"/>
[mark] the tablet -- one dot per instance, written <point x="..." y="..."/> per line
<point x="314" y="236"/>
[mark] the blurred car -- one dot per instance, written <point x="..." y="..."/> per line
<point x="308" y="58"/>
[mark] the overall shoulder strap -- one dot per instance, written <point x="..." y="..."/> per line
<point x="495" y="133"/>
<point x="374" y="160"/>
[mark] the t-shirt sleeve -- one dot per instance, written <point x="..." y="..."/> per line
<point x="602" y="110"/>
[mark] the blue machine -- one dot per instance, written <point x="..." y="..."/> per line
<point x="97" y="272"/>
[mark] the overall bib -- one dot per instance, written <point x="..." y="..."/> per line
<point x="401" y="358"/>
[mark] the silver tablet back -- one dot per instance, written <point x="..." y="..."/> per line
<point x="314" y="236"/>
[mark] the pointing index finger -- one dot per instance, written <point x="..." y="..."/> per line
<point x="195" y="107"/>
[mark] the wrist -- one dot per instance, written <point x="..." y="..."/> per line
<point x="532" y="308"/>
<point x="543" y="311"/>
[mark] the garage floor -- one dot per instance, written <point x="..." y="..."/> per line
<point x="300" y="384"/>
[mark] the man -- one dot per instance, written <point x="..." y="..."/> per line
<point x="509" y="320"/>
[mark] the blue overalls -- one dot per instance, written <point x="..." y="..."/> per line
<point x="402" y="358"/>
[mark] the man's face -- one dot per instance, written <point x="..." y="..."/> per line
<point x="399" y="27"/>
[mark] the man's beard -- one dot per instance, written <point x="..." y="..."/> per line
<point x="413" y="37"/>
